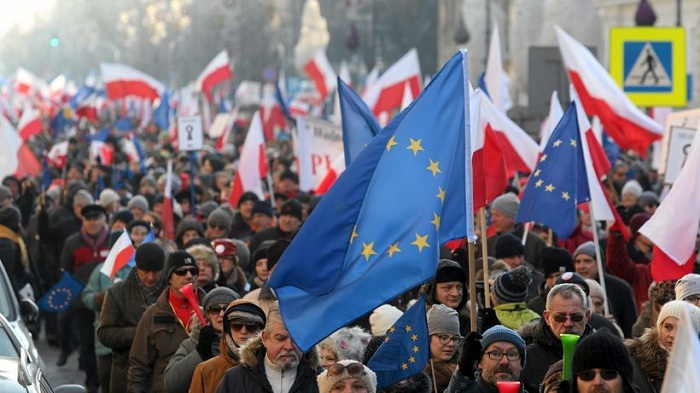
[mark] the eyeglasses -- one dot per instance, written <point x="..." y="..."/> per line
<point x="354" y="369"/>
<point x="184" y="270"/>
<point x="217" y="308"/>
<point x="561" y="318"/>
<point x="498" y="355"/>
<point x="220" y="227"/>
<point x="249" y="326"/>
<point x="445" y="339"/>
<point x="606" y="373"/>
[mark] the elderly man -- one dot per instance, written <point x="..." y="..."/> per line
<point x="566" y="311"/>
<point x="498" y="356"/>
<point x="123" y="306"/>
<point x="163" y="326"/>
<point x="272" y="358"/>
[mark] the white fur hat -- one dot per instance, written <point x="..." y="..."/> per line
<point x="326" y="382"/>
<point x="383" y="318"/>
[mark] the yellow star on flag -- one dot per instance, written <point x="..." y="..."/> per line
<point x="408" y="328"/>
<point x="368" y="250"/>
<point x="544" y="157"/>
<point x="549" y="187"/>
<point x="555" y="144"/>
<point x="433" y="167"/>
<point x="414" y="337"/>
<point x="441" y="194"/>
<point x="392" y="330"/>
<point x="416" y="348"/>
<point x="538" y="183"/>
<point x="415" y="146"/>
<point x="537" y="172"/>
<point x="353" y="235"/>
<point x="573" y="142"/>
<point x="404" y="366"/>
<point x="436" y="221"/>
<point x="393" y="248"/>
<point x="411" y="359"/>
<point x="421" y="242"/>
<point x="391" y="143"/>
<point x="565" y="195"/>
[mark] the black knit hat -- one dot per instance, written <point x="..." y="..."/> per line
<point x="511" y="287"/>
<point x="247" y="196"/>
<point x="275" y="251"/>
<point x="449" y="270"/>
<point x="602" y="349"/>
<point x="508" y="245"/>
<point x="263" y="207"/>
<point x="150" y="257"/>
<point x="556" y="260"/>
<point x="292" y="208"/>
<point x="179" y="258"/>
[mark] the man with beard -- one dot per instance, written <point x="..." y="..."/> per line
<point x="272" y="359"/>
<point x="498" y="356"/>
<point x="566" y="311"/>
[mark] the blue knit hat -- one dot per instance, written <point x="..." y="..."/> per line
<point x="502" y="333"/>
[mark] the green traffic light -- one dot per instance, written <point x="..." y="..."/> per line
<point x="54" y="42"/>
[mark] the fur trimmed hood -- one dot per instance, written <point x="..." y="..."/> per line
<point x="249" y="353"/>
<point x="651" y="356"/>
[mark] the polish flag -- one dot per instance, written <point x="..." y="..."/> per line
<point x="489" y="169"/>
<point x="370" y="81"/>
<point x="58" y="154"/>
<point x="122" y="81"/>
<point x="626" y="124"/>
<point x="271" y="113"/>
<point x="333" y="173"/>
<point x="119" y="255"/>
<point x="25" y="82"/>
<point x="30" y="122"/>
<point x="223" y="139"/>
<point x="27" y="163"/>
<point x="168" y="218"/>
<point x="555" y="114"/>
<point x="519" y="149"/>
<point x="496" y="79"/>
<point x="11" y="143"/>
<point x="673" y="228"/>
<point x="89" y="108"/>
<point x="252" y="166"/>
<point x="319" y="69"/>
<point x="386" y="94"/>
<point x="217" y="71"/>
<point x="102" y="151"/>
<point x="7" y="110"/>
<point x="593" y="146"/>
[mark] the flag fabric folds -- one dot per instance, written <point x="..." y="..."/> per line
<point x="252" y="166"/>
<point x="559" y="182"/>
<point x="119" y="255"/>
<point x="168" y="218"/>
<point x="386" y="92"/>
<point x="122" y="81"/>
<point x="496" y="79"/>
<point x="406" y="350"/>
<point x="218" y="70"/>
<point x="386" y="216"/>
<point x="600" y="95"/>
<point x="61" y="295"/>
<point x="359" y="124"/>
<point x="319" y="69"/>
<point x="674" y="226"/>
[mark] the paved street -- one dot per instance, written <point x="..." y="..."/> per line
<point x="68" y="374"/>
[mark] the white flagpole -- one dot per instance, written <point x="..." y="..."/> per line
<point x="599" y="261"/>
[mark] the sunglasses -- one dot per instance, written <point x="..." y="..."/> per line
<point x="217" y="308"/>
<point x="561" y="318"/>
<point x="249" y="326"/>
<point x="219" y="227"/>
<point x="354" y="369"/>
<point x="606" y="373"/>
<point x="183" y="271"/>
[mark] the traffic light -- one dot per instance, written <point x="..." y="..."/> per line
<point x="54" y="42"/>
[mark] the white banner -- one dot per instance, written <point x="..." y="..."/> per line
<point x="318" y="144"/>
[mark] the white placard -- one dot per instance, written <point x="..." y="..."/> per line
<point x="679" y="143"/>
<point x="189" y="133"/>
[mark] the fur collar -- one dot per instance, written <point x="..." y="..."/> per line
<point x="651" y="356"/>
<point x="249" y="353"/>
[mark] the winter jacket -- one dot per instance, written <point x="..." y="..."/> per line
<point x="274" y="233"/>
<point x="416" y="383"/>
<point x="209" y="374"/>
<point x="621" y="301"/>
<point x="158" y="335"/>
<point x="534" y="246"/>
<point x="240" y="229"/>
<point x="544" y="350"/>
<point x="443" y="373"/>
<point x="461" y="384"/>
<point x="638" y="275"/>
<point x="80" y="259"/>
<point x="644" y="321"/>
<point x="514" y="315"/>
<point x="649" y="359"/>
<point x="177" y="376"/>
<point x="250" y="377"/>
<point x="122" y="309"/>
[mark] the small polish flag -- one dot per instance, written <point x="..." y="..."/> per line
<point x="30" y="122"/>
<point x="122" y="81"/>
<point x="387" y="93"/>
<point x="320" y="71"/>
<point x="217" y="71"/>
<point x="118" y="256"/>
<point x="252" y="166"/>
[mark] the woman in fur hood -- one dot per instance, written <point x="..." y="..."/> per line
<point x="650" y="351"/>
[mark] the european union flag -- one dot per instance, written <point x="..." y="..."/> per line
<point x="62" y="295"/>
<point x="406" y="350"/>
<point x="559" y="182"/>
<point x="359" y="124"/>
<point x="378" y="231"/>
<point x="161" y="115"/>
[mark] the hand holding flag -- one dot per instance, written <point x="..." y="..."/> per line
<point x="61" y="295"/>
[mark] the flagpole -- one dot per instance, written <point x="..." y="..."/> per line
<point x="432" y="370"/>
<point x="484" y="257"/>
<point x="599" y="261"/>
<point x="472" y="284"/>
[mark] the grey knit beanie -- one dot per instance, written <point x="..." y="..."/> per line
<point x="507" y="204"/>
<point x="442" y="320"/>
<point x="138" y="202"/>
<point x="511" y="287"/>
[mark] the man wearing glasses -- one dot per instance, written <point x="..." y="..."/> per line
<point x="497" y="356"/>
<point x="163" y="326"/>
<point x="566" y="311"/>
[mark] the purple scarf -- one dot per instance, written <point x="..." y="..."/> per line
<point x="95" y="242"/>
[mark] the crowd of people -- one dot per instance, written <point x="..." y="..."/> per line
<point x="194" y="313"/>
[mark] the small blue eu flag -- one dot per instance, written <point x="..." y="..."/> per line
<point x="62" y="295"/>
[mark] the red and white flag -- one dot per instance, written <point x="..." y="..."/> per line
<point x="30" y="122"/>
<point x="555" y="114"/>
<point x="674" y="227"/>
<point x="319" y="69"/>
<point x="122" y="81"/>
<point x="386" y="94"/>
<point x="101" y="152"/>
<point x="11" y="143"/>
<point x="271" y="113"/>
<point x="27" y="83"/>
<point x="489" y="169"/>
<point x="119" y="255"/>
<point x="496" y="79"/>
<point x="519" y="149"/>
<point x="335" y="170"/>
<point x="168" y="218"/>
<point x="58" y="154"/>
<point x="626" y="124"/>
<point x="252" y="166"/>
<point x="217" y="71"/>
<point x="89" y="108"/>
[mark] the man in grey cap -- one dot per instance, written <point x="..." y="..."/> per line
<point x="504" y="209"/>
<point x="5" y="196"/>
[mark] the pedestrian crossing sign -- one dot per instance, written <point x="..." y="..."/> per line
<point x="649" y="64"/>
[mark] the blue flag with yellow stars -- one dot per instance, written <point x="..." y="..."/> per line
<point x="62" y="295"/>
<point x="406" y="350"/>
<point x="558" y="183"/>
<point x="359" y="123"/>
<point x="377" y="232"/>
